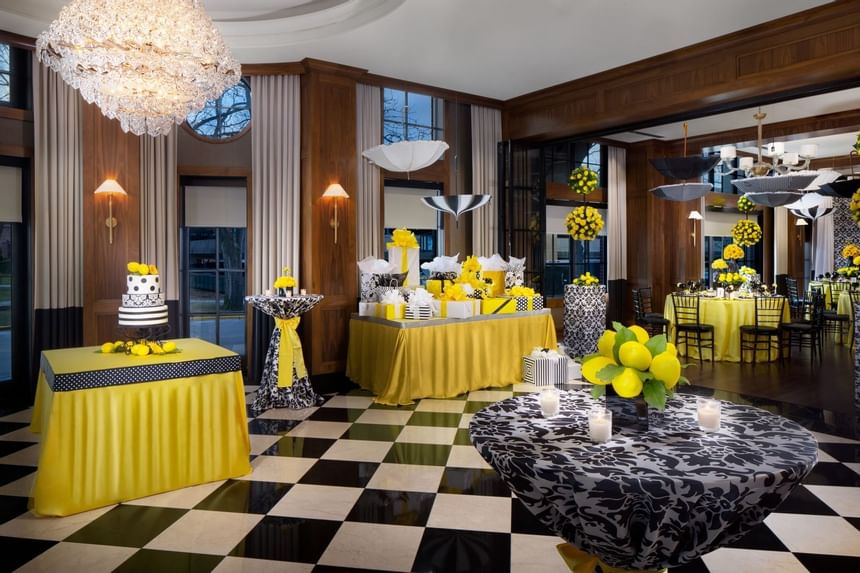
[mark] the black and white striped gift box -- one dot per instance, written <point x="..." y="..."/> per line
<point x="545" y="371"/>
<point x="416" y="312"/>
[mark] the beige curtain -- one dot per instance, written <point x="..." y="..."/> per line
<point x="58" y="201"/>
<point x="486" y="135"/>
<point x="616" y="240"/>
<point x="369" y="228"/>
<point x="276" y="186"/>
<point x="159" y="227"/>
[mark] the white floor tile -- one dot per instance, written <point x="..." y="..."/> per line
<point x="473" y="512"/>
<point x="287" y="414"/>
<point x="28" y="456"/>
<point x="526" y="387"/>
<point x="79" y="558"/>
<point x="427" y="435"/>
<point x="825" y="457"/>
<point x="490" y="395"/>
<point x="22" y="416"/>
<point x="391" y="417"/>
<point x="317" y="502"/>
<point x="843" y="500"/>
<point x="184" y="498"/>
<point x="432" y="405"/>
<point x="209" y="532"/>
<point x="50" y="528"/>
<point x="260" y="442"/>
<point x="22" y="435"/>
<point x="827" y="535"/>
<point x="466" y="457"/>
<point x="730" y="560"/>
<point x="407" y="477"/>
<point x="465" y="419"/>
<point x="357" y="450"/>
<point x="247" y="565"/>
<point x="280" y="469"/>
<point x="855" y="467"/>
<point x="373" y="546"/>
<point x="536" y="554"/>
<point x="357" y="402"/>
<point x="21" y="486"/>
<point x="315" y="429"/>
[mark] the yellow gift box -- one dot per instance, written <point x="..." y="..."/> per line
<point x="436" y="286"/>
<point x="390" y="311"/>
<point x="496" y="281"/>
<point x="498" y="305"/>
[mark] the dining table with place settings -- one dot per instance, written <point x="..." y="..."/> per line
<point x="726" y="315"/>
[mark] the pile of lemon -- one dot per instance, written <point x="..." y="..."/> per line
<point x="141" y="348"/>
<point x="630" y="360"/>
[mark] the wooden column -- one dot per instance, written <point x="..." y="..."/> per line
<point x="108" y="152"/>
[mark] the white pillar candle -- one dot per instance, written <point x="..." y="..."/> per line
<point x="599" y="424"/>
<point x="708" y="412"/>
<point x="303" y="292"/>
<point x="549" y="402"/>
<point x="268" y="292"/>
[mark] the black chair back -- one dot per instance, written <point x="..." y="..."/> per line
<point x="637" y="304"/>
<point x="768" y="311"/>
<point x="686" y="309"/>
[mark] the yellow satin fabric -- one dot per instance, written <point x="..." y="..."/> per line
<point x="727" y="316"/>
<point x="843" y="306"/>
<point x="400" y="365"/>
<point x="289" y="352"/>
<point x="106" y="445"/>
<point x="579" y="561"/>
<point x="825" y="287"/>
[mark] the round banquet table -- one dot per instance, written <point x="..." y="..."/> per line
<point x="727" y="316"/>
<point x="284" y="385"/>
<point x="644" y="500"/>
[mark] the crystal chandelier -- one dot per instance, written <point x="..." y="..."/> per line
<point x="147" y="63"/>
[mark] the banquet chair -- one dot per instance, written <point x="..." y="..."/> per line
<point x="796" y="302"/>
<point x="653" y="322"/>
<point x="836" y="289"/>
<point x="806" y="333"/>
<point x="765" y="331"/>
<point x="855" y="300"/>
<point x="688" y="325"/>
<point x="833" y="321"/>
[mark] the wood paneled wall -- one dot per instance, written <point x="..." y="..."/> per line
<point x="108" y="152"/>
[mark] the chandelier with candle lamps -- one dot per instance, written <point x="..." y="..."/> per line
<point x="146" y="63"/>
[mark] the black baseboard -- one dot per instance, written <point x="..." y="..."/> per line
<point x="54" y="328"/>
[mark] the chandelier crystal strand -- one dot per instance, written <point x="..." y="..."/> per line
<point x="147" y="63"/>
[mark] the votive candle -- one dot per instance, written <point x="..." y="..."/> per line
<point x="708" y="412"/>
<point x="549" y="402"/>
<point x="303" y="292"/>
<point x="268" y="292"/>
<point x="599" y="424"/>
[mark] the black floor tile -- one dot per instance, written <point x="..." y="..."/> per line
<point x="855" y="521"/>
<point x="451" y="551"/>
<point x="16" y="551"/>
<point x="7" y="448"/>
<point x="849" y="453"/>
<point x="299" y="447"/>
<point x="376" y="432"/>
<point x="802" y="500"/>
<point x="148" y="560"/>
<point x="245" y="496"/>
<point x="759" y="537"/>
<point x="439" y="419"/>
<point x="419" y="454"/>
<point x="10" y="473"/>
<point x="829" y="563"/>
<point x="333" y="472"/>
<point x="695" y="566"/>
<point x="832" y="473"/>
<point x="271" y="427"/>
<point x="472" y="407"/>
<point x="287" y="539"/>
<point x="11" y="506"/>
<point x="128" y="526"/>
<point x="336" y="415"/>
<point x="392" y="507"/>
<point x="462" y="438"/>
<point x="333" y="569"/>
<point x="6" y="427"/>
<point x="473" y="482"/>
<point x="524" y="521"/>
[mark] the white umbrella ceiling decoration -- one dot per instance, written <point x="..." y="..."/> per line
<point x="456" y="205"/>
<point x="406" y="156"/>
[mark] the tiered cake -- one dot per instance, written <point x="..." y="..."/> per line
<point x="143" y="304"/>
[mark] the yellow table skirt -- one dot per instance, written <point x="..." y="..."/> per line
<point x="106" y="445"/>
<point x="843" y="306"/>
<point x="727" y="316"/>
<point x="400" y="365"/>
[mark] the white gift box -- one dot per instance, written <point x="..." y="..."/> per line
<point x="545" y="371"/>
<point x="367" y="308"/>
<point x="457" y="308"/>
<point x="406" y="261"/>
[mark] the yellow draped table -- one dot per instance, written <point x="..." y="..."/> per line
<point x="825" y="288"/>
<point x="401" y="361"/>
<point x="843" y="306"/>
<point x="726" y="316"/>
<point x="117" y="427"/>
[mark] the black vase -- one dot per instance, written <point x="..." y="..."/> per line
<point x="631" y="414"/>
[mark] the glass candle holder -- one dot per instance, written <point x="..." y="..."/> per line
<point x="550" y="402"/>
<point x="708" y="414"/>
<point x="268" y="292"/>
<point x="599" y="424"/>
<point x="303" y="292"/>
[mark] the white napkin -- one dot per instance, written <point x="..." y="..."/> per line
<point x="516" y="264"/>
<point x="375" y="266"/>
<point x="420" y="297"/>
<point x="494" y="263"/>
<point x="543" y="353"/>
<point x="392" y="297"/>
<point x="443" y="264"/>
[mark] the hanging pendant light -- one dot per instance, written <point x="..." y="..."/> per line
<point x="687" y="167"/>
<point x="456" y="205"/>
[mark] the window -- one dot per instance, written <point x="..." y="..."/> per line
<point x="408" y="116"/>
<point x="562" y="158"/>
<point x="214" y="243"/>
<point x="5" y="74"/>
<point x="566" y="258"/>
<point x="404" y="209"/>
<point x="717" y="229"/>
<point x="14" y="77"/>
<point x="13" y="273"/>
<point x="225" y="117"/>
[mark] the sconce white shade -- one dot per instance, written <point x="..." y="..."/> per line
<point x="809" y="150"/>
<point x="110" y="186"/>
<point x="335" y="190"/>
<point x="801" y="223"/>
<point x="695" y="216"/>
<point x="777" y="148"/>
<point x="728" y="152"/>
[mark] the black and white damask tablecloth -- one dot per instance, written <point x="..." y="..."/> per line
<point x="649" y="500"/>
<point x="286" y="312"/>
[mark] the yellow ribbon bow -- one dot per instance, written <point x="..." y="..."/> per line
<point x="578" y="561"/>
<point x="289" y="352"/>
<point x="454" y="292"/>
<point x="403" y="238"/>
<point x="522" y="291"/>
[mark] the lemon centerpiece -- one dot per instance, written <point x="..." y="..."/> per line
<point x="634" y="363"/>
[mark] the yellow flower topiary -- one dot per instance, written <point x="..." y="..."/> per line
<point x="855" y="207"/>
<point x="733" y="252"/>
<point x="584" y="223"/>
<point x="719" y="265"/>
<point x="746" y="233"/>
<point x="745" y="205"/>
<point x="583" y="180"/>
<point x="850" y="251"/>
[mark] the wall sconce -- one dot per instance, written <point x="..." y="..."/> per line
<point x="335" y="191"/>
<point x="110" y="186"/>
<point x="800" y="223"/>
<point x="694" y="216"/>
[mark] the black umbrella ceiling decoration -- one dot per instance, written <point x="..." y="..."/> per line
<point x="847" y="186"/>
<point x="810" y="206"/>
<point x="687" y="167"/>
<point x="456" y="204"/>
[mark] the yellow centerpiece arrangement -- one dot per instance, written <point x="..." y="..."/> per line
<point x="285" y="281"/>
<point x="583" y="180"/>
<point x="634" y="364"/>
<point x="854" y="206"/>
<point x="850" y="252"/>
<point x="139" y="347"/>
<point x="586" y="279"/>
<point x="733" y="252"/>
<point x="719" y="265"/>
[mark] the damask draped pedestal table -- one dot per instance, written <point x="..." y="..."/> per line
<point x="644" y="500"/>
<point x="284" y="382"/>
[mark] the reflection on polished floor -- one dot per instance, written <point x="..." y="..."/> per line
<point x="353" y="486"/>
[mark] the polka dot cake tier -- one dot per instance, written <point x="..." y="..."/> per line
<point x="143" y="303"/>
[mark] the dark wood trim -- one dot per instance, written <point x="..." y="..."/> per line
<point x="324" y="67"/>
<point x="16" y="113"/>
<point x="17" y="40"/>
<point x="16" y="150"/>
<point x="213" y="171"/>
<point x="446" y="94"/>
<point x="277" y="69"/>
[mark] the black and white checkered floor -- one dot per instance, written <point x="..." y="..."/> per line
<point x="354" y="486"/>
